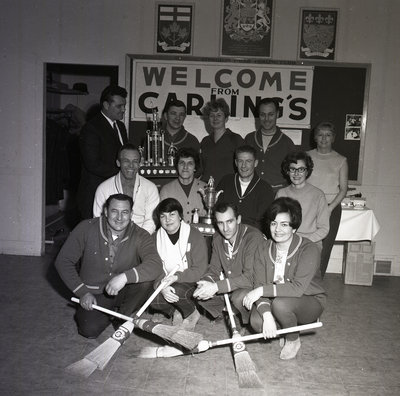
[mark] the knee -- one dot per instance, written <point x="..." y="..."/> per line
<point x="256" y="321"/>
<point x="90" y="330"/>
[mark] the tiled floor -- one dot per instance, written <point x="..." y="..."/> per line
<point x="356" y="352"/>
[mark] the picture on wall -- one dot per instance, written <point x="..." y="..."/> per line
<point x="353" y="127"/>
<point x="174" y="28"/>
<point x="246" y="28"/>
<point x="317" y="37"/>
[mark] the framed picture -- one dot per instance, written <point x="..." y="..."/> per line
<point x="352" y="129"/>
<point x="174" y="28"/>
<point x="246" y="28"/>
<point x="317" y="36"/>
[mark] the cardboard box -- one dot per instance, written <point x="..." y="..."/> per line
<point x="358" y="265"/>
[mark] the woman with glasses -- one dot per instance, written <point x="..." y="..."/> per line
<point x="179" y="244"/>
<point x="331" y="176"/>
<point x="297" y="167"/>
<point x="287" y="281"/>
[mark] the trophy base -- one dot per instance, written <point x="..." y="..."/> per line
<point x="206" y="220"/>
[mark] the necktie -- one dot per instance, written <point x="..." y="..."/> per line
<point x="117" y="132"/>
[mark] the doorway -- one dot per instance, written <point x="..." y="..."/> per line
<point x="71" y="99"/>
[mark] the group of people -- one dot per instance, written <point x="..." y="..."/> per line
<point x="271" y="225"/>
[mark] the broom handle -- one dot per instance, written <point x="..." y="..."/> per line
<point x="142" y="309"/>
<point x="261" y="335"/>
<point x="228" y="307"/>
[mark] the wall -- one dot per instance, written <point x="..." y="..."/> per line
<point x="104" y="31"/>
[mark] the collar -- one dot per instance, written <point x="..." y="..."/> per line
<point x="253" y="182"/>
<point x="104" y="229"/>
<point x="110" y="121"/>
<point x="136" y="187"/>
<point x="293" y="248"/>
<point x="178" y="138"/>
<point x="277" y="136"/>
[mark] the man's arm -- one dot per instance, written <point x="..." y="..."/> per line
<point x="152" y="200"/>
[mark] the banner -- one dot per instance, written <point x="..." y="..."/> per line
<point x="242" y="85"/>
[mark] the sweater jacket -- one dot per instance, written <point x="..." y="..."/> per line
<point x="136" y="257"/>
<point x="314" y="208"/>
<point x="302" y="273"/>
<point x="253" y="203"/>
<point x="196" y="255"/>
<point x="145" y="199"/>
<point x="238" y="270"/>
<point x="217" y="158"/>
<point x="189" y="203"/>
<point x="269" y="162"/>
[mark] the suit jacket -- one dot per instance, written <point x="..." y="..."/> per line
<point x="99" y="145"/>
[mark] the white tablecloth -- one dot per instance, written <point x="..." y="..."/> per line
<point x="357" y="225"/>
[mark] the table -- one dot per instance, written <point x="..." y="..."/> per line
<point x="358" y="225"/>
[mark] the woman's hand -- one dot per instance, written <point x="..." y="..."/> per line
<point x="169" y="294"/>
<point x="269" y="325"/>
<point x="169" y="280"/>
<point x="252" y="297"/>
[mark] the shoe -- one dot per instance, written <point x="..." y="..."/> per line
<point x="281" y="342"/>
<point x="289" y="351"/>
<point x="190" y="322"/>
<point x="177" y="318"/>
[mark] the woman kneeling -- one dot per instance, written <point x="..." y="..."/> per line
<point x="288" y="286"/>
<point x="179" y="244"/>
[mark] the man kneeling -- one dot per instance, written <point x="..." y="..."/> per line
<point x="108" y="261"/>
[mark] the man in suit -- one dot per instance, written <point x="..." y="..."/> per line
<point x="100" y="139"/>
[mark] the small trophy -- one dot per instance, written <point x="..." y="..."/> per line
<point x="210" y="197"/>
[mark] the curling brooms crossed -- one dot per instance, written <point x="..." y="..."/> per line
<point x="100" y="356"/>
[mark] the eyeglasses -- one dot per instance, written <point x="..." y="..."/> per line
<point x="297" y="170"/>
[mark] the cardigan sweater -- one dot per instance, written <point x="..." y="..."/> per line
<point x="145" y="199"/>
<point x="302" y="274"/>
<point x="217" y="158"/>
<point x="238" y="270"/>
<point x="270" y="160"/>
<point x="189" y="203"/>
<point x="136" y="257"/>
<point x="253" y="204"/>
<point x="196" y="256"/>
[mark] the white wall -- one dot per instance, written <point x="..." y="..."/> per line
<point x="104" y="31"/>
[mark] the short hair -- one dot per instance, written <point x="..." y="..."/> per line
<point x="246" y="148"/>
<point x="173" y="103"/>
<point x="126" y="146"/>
<point x="325" y="125"/>
<point x="222" y="207"/>
<point x="266" y="101"/>
<point x="187" y="152"/>
<point x="119" y="197"/>
<point x="110" y="91"/>
<point x="295" y="156"/>
<point x="285" y="205"/>
<point x="215" y="105"/>
<point x="167" y="205"/>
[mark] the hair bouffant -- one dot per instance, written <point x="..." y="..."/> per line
<point x="285" y="205"/>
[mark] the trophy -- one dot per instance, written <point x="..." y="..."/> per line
<point x="155" y="144"/>
<point x="210" y="196"/>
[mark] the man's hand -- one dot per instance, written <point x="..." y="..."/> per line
<point x="269" y="325"/>
<point x="205" y="290"/>
<point x="252" y="297"/>
<point x="87" y="301"/>
<point x="116" y="284"/>
<point x="169" y="280"/>
<point x="169" y="294"/>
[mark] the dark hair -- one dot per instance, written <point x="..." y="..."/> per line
<point x="266" y="101"/>
<point x="188" y="152"/>
<point x="222" y="207"/>
<point x="110" y="91"/>
<point x="175" y="103"/>
<point x="167" y="205"/>
<point x="292" y="158"/>
<point x="325" y="125"/>
<point x="285" y="205"/>
<point x="118" y="197"/>
<point x="215" y="105"/>
<point x="246" y="148"/>
<point x="126" y="146"/>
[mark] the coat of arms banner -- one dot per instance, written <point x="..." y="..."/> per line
<point x="174" y="29"/>
<point x="247" y="28"/>
<point x="317" y="34"/>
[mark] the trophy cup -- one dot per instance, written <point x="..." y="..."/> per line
<point x="155" y="144"/>
<point x="210" y="196"/>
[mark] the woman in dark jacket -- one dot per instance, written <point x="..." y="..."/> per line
<point x="288" y="286"/>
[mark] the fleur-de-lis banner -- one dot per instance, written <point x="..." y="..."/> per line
<point x="174" y="29"/>
<point x="318" y="34"/>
